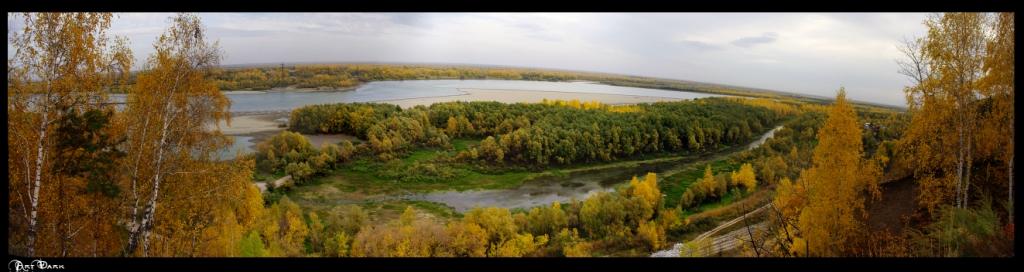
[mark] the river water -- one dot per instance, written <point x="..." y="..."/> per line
<point x="256" y="101"/>
<point x="543" y="191"/>
<point x="763" y="138"/>
<point x="394" y="90"/>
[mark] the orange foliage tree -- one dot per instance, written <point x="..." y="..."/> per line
<point x="833" y="209"/>
<point x="60" y="61"/>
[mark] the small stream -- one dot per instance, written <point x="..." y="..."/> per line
<point x="544" y="191"/>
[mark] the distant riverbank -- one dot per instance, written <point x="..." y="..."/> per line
<point x="292" y="89"/>
<point x="526" y="96"/>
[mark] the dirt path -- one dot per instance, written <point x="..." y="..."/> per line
<point x="708" y="246"/>
<point x="273" y="184"/>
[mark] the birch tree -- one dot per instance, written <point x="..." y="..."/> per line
<point x="998" y="84"/>
<point x="60" y="60"/>
<point x="961" y="104"/>
<point x="168" y="109"/>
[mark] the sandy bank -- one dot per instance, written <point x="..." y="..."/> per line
<point x="521" y="96"/>
<point x="293" y="89"/>
<point x="243" y="92"/>
<point x="249" y="124"/>
<point x="263" y="126"/>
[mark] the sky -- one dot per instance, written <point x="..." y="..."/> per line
<point x="809" y="53"/>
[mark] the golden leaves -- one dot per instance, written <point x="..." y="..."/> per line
<point x="829" y="217"/>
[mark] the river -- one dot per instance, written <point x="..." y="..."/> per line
<point x="401" y="92"/>
<point x="543" y="191"/>
<point x="378" y="91"/>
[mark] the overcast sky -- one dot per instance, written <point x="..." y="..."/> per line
<point x="796" y="52"/>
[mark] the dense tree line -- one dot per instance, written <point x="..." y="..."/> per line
<point x="349" y="75"/>
<point x="349" y="118"/>
<point x="788" y="150"/>
<point x="387" y="129"/>
<point x="565" y="135"/>
<point x="543" y="134"/>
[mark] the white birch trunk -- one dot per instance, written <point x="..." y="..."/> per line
<point x="34" y="194"/>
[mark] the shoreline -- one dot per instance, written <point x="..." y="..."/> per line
<point x="293" y="90"/>
<point x="250" y="124"/>
<point x="258" y="123"/>
<point x="511" y="96"/>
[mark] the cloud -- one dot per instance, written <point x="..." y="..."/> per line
<point x="767" y="37"/>
<point x="798" y="52"/>
<point x="699" y="45"/>
<point x="409" y="19"/>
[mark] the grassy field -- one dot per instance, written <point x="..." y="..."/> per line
<point x="675" y="185"/>
<point x="368" y="176"/>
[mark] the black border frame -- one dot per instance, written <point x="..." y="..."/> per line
<point x="521" y="264"/>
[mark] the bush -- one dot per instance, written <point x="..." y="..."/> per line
<point x="282" y="149"/>
<point x="716" y="187"/>
<point x="745" y="177"/>
<point x="346" y="151"/>
<point x="346" y="218"/>
<point x="651" y="235"/>
<point x="252" y="246"/>
<point x="349" y="118"/>
<point x="338" y="246"/>
<point x="518" y="246"/>
<point x="547" y="220"/>
<point x="300" y="172"/>
<point x="571" y="244"/>
<point x="418" y="171"/>
<point x="497" y="222"/>
<point x="966" y="232"/>
<point x="603" y="215"/>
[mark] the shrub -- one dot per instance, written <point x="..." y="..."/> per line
<point x="282" y="149"/>
<point x="300" y="172"/>
<point x="651" y="235"/>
